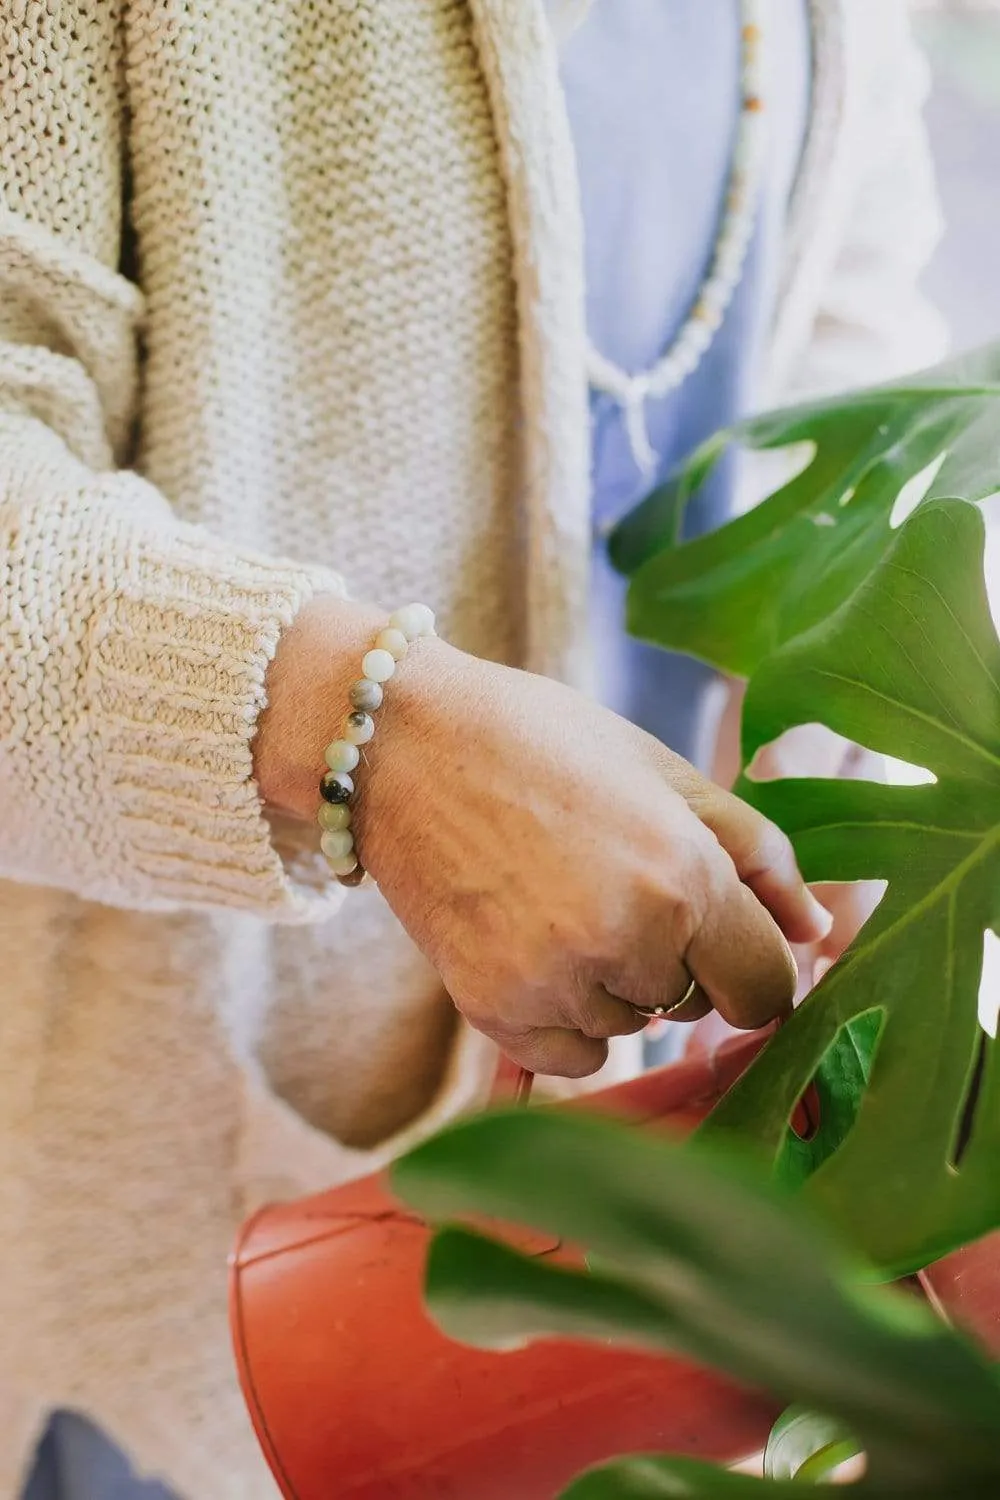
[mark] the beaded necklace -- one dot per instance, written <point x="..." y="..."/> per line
<point x="729" y="253"/>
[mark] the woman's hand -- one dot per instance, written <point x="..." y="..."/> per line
<point x="813" y="750"/>
<point x="555" y="864"/>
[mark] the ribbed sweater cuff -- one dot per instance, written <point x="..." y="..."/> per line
<point x="177" y="682"/>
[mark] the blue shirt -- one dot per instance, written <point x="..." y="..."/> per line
<point x="653" y="94"/>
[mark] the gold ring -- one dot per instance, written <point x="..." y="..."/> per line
<point x="663" y="1012"/>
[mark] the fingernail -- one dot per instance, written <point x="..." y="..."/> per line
<point x="820" y="915"/>
<point x="821" y="967"/>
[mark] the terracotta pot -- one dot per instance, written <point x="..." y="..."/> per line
<point x="354" y="1393"/>
<point x="965" y="1289"/>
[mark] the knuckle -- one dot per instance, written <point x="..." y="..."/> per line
<point x="600" y="1016"/>
<point x="588" y="1018"/>
<point x="689" y="884"/>
<point x="578" y="935"/>
<point x="478" y="1012"/>
<point x="487" y="1011"/>
<point x="771" y="850"/>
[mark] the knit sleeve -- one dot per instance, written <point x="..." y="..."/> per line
<point x="133" y="648"/>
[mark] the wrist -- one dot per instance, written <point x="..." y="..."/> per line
<point x="402" y="761"/>
<point x="307" y="684"/>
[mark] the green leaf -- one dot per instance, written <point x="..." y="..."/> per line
<point x="701" y="1255"/>
<point x="806" y="1445"/>
<point x="486" y="1294"/>
<point x="908" y="666"/>
<point x="840" y="1082"/>
<point x="652" y="1478"/>
<point x="735" y="596"/>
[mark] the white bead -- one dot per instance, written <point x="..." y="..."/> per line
<point x="346" y="864"/>
<point x="337" y="842"/>
<point x="685" y="360"/>
<point x="715" y="296"/>
<point x="358" y="727"/>
<point x="393" y="641"/>
<point x="413" y="620"/>
<point x="366" y="695"/>
<point x="342" y="755"/>
<point x="333" y="815"/>
<point x="728" y="257"/>
<point x="666" y="377"/>
<point x="378" y="665"/>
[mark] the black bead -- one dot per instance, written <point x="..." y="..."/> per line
<point x="336" y="788"/>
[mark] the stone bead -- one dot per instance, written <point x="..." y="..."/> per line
<point x="331" y="818"/>
<point x="378" y="665"/>
<point x="393" y="641"/>
<point x="358" y="729"/>
<point x="337" y="843"/>
<point x="366" y="695"/>
<point x="413" y="620"/>
<point x="345" y="864"/>
<point x="336" y="787"/>
<point x="342" y="755"/>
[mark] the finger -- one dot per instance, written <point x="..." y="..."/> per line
<point x="598" y="1013"/>
<point x="695" y="1008"/>
<point x="555" y="1051"/>
<point x="765" y="861"/>
<point x="648" y="996"/>
<point x="649" y="972"/>
<point x="573" y="1002"/>
<point x="740" y="959"/>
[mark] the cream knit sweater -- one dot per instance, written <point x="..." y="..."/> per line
<point x="339" y="335"/>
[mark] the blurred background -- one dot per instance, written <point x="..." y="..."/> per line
<point x="962" y="41"/>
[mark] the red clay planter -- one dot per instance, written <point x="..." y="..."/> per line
<point x="355" y="1395"/>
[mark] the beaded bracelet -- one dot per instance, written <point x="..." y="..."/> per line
<point x="342" y="755"/>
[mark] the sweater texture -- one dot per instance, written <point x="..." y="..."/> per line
<point x="291" y="302"/>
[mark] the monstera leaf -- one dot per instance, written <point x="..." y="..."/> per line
<point x="650" y="1478"/>
<point x="806" y="1445"/>
<point x="734" y="596"/>
<point x="908" y="665"/>
<point x="696" y="1252"/>
<point x="884" y="636"/>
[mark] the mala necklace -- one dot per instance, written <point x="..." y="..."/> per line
<point x="728" y="258"/>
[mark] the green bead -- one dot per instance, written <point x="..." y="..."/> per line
<point x="331" y="819"/>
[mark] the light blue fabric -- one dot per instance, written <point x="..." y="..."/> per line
<point x="75" y="1462"/>
<point x="652" y="89"/>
